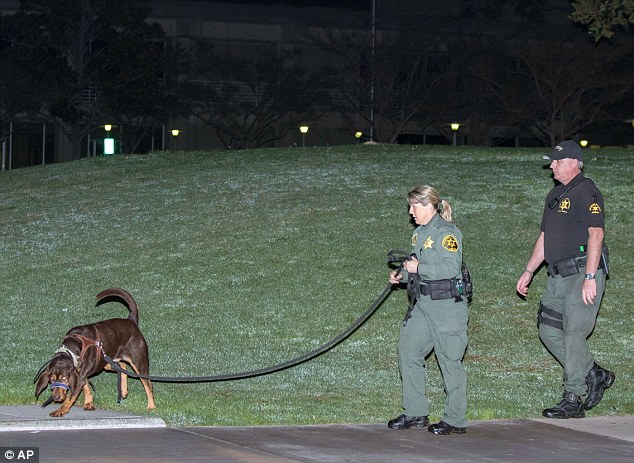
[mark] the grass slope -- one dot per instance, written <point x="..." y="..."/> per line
<point x="240" y="260"/>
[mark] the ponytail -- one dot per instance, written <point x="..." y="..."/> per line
<point x="425" y="195"/>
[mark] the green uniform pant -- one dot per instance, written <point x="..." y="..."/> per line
<point x="569" y="344"/>
<point x="440" y="326"/>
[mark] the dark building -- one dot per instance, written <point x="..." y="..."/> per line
<point x="306" y="29"/>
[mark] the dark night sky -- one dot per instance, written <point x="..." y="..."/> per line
<point x="353" y="4"/>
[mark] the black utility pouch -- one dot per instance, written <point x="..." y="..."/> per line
<point x="568" y="267"/>
<point x="441" y="289"/>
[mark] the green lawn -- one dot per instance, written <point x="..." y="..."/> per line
<point x="241" y="260"/>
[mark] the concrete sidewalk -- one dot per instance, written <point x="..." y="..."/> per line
<point x="101" y="436"/>
<point x="36" y="418"/>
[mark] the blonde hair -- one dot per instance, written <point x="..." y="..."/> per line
<point x="425" y="194"/>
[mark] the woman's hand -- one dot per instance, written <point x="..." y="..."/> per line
<point x="395" y="277"/>
<point x="411" y="265"/>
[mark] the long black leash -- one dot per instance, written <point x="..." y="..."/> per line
<point x="393" y="257"/>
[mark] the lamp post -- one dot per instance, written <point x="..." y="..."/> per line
<point x="358" y="134"/>
<point x="175" y="133"/>
<point x="454" y="128"/>
<point x="304" y="130"/>
<point x="372" y="79"/>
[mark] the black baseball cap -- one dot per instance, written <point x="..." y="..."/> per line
<point x="566" y="149"/>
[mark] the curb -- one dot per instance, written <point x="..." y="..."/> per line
<point x="34" y="418"/>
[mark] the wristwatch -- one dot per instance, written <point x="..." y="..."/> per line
<point x="589" y="276"/>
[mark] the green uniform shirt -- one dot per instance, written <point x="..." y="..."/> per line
<point x="438" y="248"/>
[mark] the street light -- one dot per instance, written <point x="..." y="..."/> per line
<point x="175" y="133"/>
<point x="454" y="128"/>
<point x="358" y="134"/>
<point x="583" y="143"/>
<point x="304" y="130"/>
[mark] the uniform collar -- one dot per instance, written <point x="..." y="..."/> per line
<point x="432" y="221"/>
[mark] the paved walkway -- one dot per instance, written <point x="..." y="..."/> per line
<point x="103" y="436"/>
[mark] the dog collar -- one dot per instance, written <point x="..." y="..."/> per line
<point x="62" y="385"/>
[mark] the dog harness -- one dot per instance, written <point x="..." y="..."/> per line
<point x="86" y="343"/>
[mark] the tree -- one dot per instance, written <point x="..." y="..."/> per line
<point x="603" y="16"/>
<point x="141" y="97"/>
<point x="406" y="74"/>
<point x="556" y="92"/>
<point x="92" y="49"/>
<point x="20" y="91"/>
<point x="253" y="102"/>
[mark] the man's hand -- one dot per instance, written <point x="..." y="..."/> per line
<point x="524" y="282"/>
<point x="589" y="291"/>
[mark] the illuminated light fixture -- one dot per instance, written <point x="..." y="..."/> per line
<point x="304" y="130"/>
<point x="107" y="127"/>
<point x="583" y="143"/>
<point x="454" y="128"/>
<point x="358" y="134"/>
<point x="175" y="132"/>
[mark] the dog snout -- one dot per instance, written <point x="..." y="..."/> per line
<point x="59" y="394"/>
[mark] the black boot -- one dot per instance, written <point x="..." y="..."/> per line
<point x="598" y="380"/>
<point x="442" y="429"/>
<point x="406" y="422"/>
<point x="570" y="407"/>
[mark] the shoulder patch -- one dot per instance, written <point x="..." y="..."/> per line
<point x="595" y="208"/>
<point x="450" y="243"/>
<point x="414" y="239"/>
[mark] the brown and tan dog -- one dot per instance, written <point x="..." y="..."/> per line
<point x="81" y="356"/>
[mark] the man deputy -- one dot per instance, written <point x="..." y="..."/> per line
<point x="571" y="243"/>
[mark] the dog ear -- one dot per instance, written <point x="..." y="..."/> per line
<point x="76" y="381"/>
<point x="41" y="382"/>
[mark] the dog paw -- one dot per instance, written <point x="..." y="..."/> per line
<point x="58" y="413"/>
<point x="89" y="407"/>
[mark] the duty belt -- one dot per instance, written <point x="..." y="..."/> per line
<point x="567" y="267"/>
<point x="439" y="289"/>
<point x="435" y="289"/>
<point x="574" y="265"/>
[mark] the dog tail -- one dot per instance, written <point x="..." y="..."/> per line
<point x="112" y="294"/>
